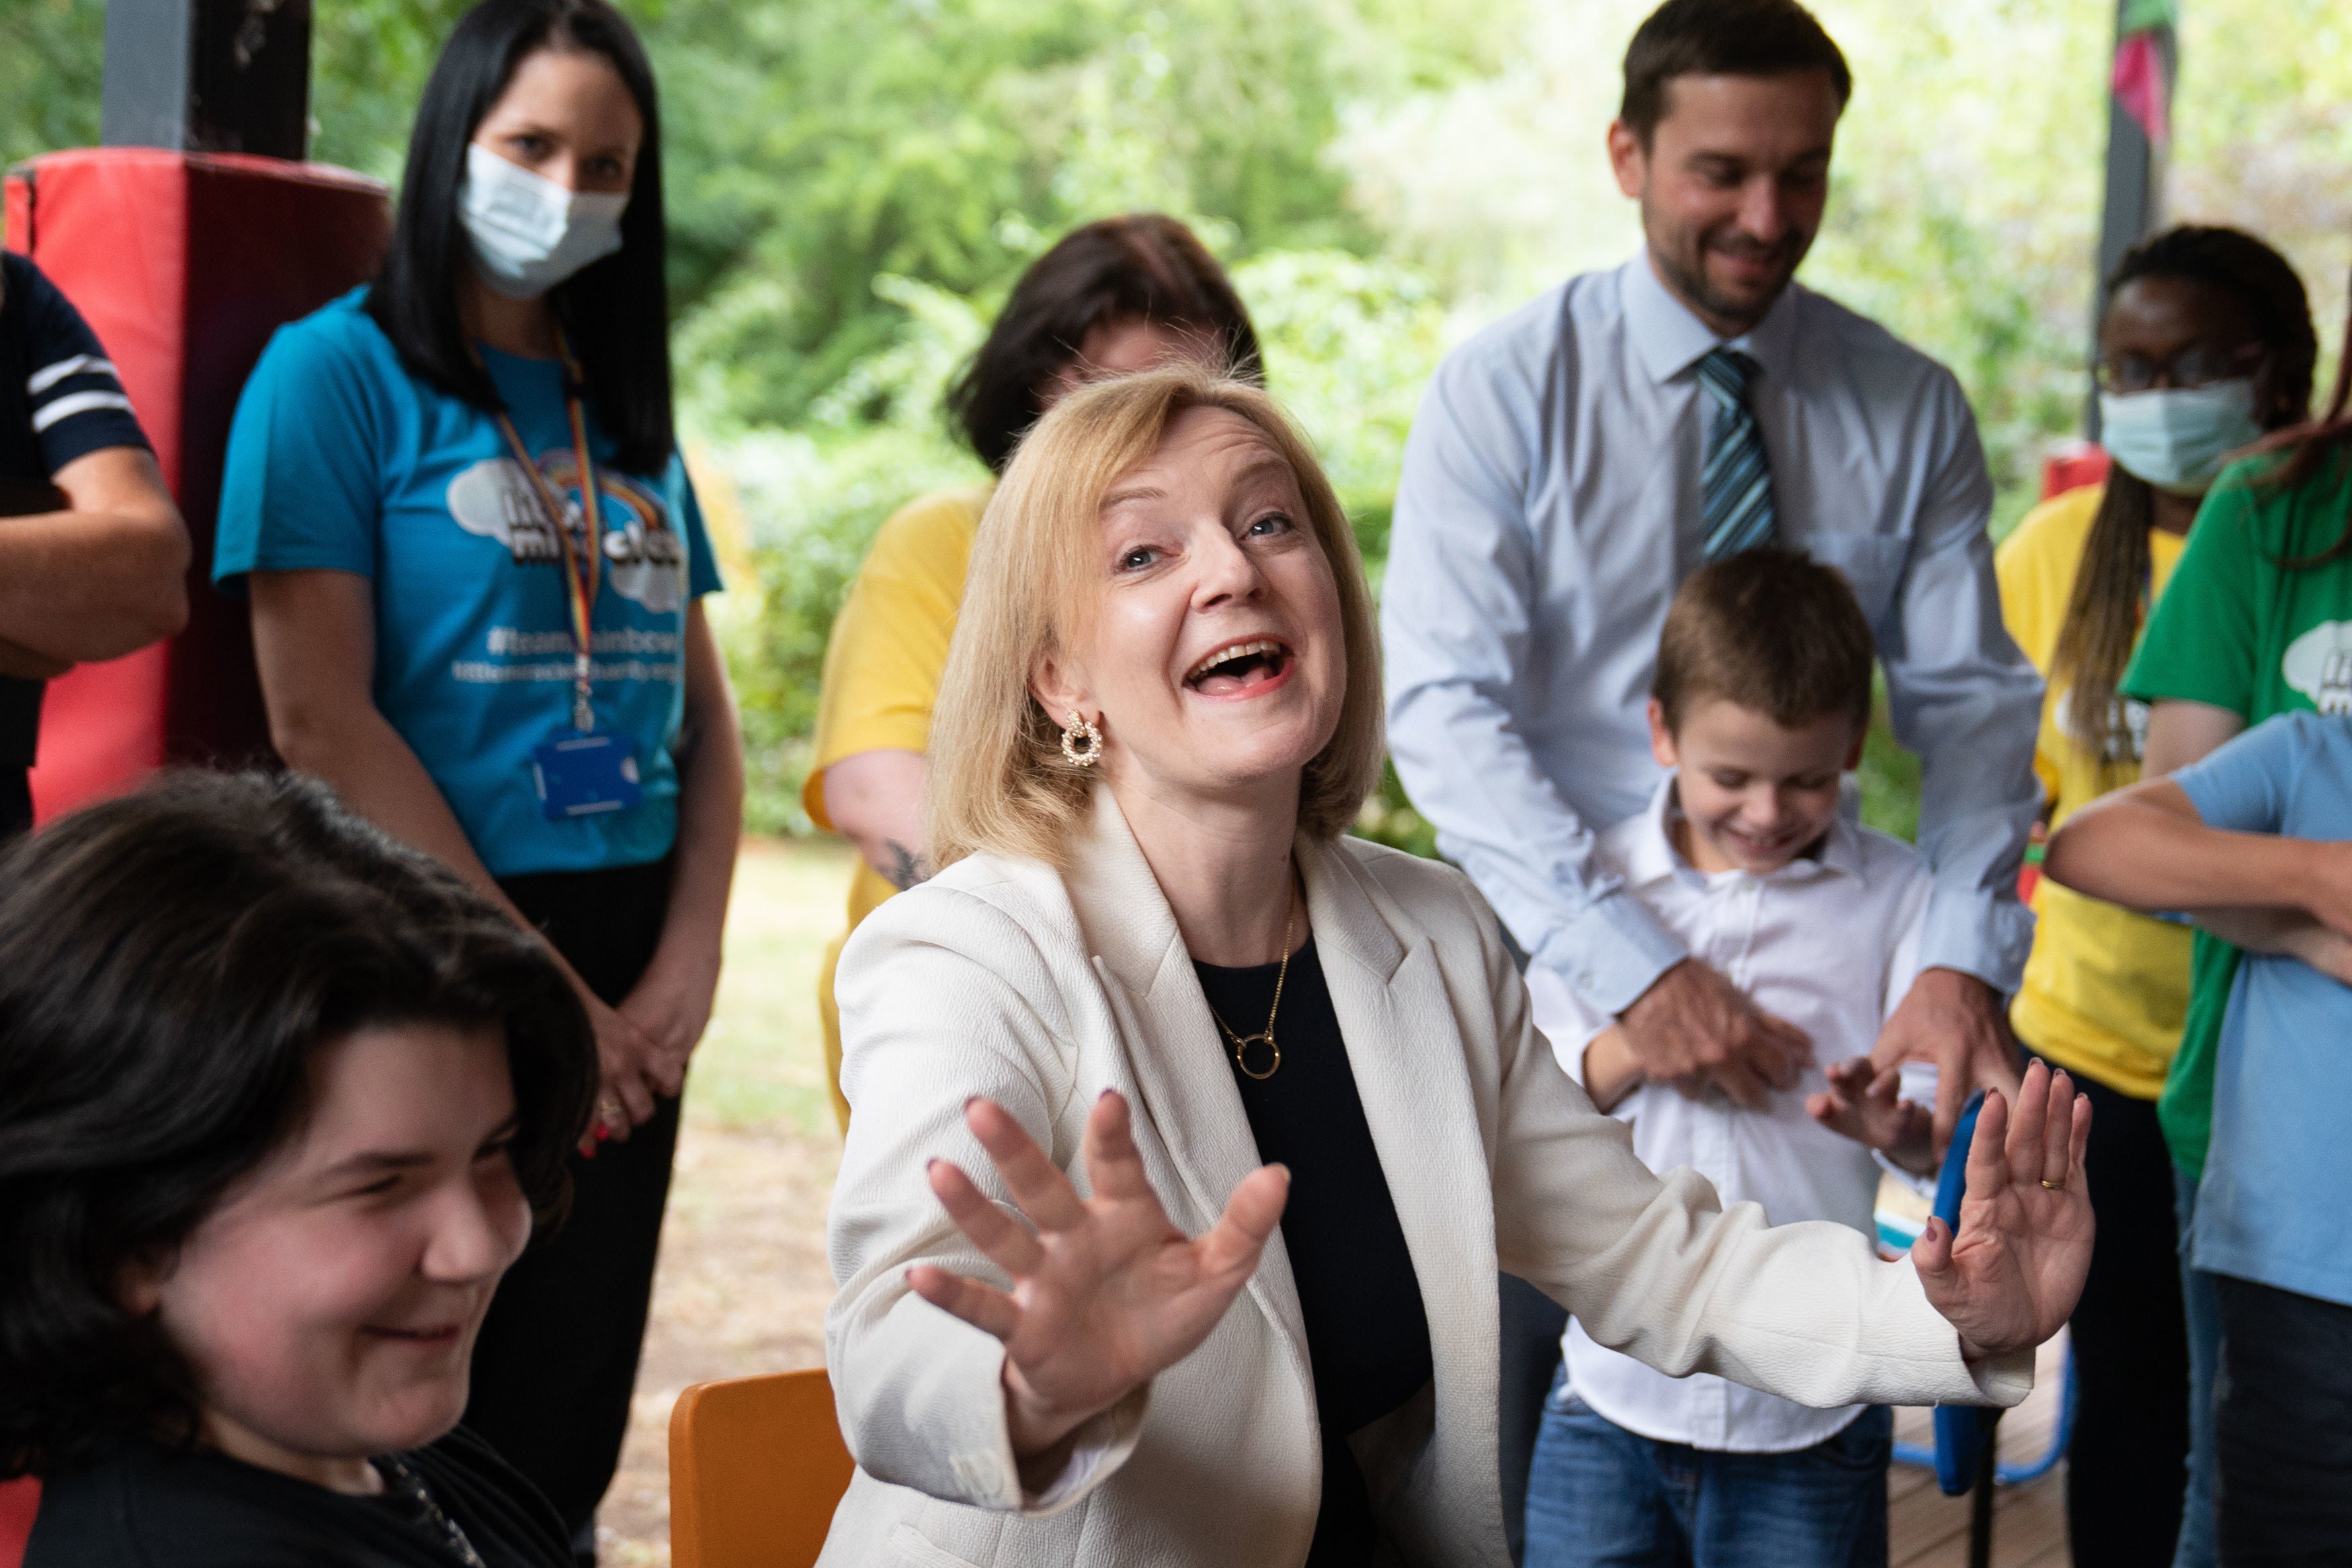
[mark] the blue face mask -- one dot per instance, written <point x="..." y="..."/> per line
<point x="2177" y="439"/>
<point x="529" y="232"/>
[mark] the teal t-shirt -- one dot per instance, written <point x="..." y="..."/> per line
<point x="340" y="458"/>
<point x="2240" y="630"/>
<point x="2276" y="1202"/>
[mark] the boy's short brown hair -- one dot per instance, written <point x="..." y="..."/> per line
<point x="1769" y="630"/>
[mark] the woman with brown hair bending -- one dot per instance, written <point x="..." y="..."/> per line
<point x="1190" y="1135"/>
<point x="1111" y="297"/>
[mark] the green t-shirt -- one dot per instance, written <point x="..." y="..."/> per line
<point x="2235" y="630"/>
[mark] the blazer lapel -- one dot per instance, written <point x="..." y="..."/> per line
<point x="1405" y="1046"/>
<point x="1189" y="1098"/>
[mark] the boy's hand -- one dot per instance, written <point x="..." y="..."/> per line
<point x="1865" y="1104"/>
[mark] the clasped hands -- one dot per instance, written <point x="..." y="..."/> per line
<point x="643" y="1046"/>
<point x="1108" y="1292"/>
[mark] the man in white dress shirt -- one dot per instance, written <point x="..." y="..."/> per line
<point x="1574" y="462"/>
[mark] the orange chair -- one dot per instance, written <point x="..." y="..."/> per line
<point x="756" y="1468"/>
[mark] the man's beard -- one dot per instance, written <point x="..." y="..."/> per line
<point x="1691" y="282"/>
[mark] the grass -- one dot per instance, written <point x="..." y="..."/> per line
<point x="762" y="1065"/>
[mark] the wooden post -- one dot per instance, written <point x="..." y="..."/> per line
<point x="208" y="76"/>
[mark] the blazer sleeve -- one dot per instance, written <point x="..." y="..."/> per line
<point x="1656" y="1267"/>
<point x="943" y="998"/>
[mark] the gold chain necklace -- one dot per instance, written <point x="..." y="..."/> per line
<point x="1242" y="1042"/>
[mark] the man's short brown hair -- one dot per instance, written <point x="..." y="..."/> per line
<point x="1771" y="631"/>
<point x="1722" y="38"/>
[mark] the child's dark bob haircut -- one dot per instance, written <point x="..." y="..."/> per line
<point x="169" y="962"/>
<point x="1771" y="631"/>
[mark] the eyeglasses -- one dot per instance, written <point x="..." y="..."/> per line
<point x="2195" y="366"/>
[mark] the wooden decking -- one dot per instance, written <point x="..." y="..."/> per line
<point x="1929" y="1530"/>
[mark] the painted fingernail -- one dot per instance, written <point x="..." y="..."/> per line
<point x="929" y="1165"/>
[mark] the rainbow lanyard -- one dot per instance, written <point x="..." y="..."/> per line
<point x="583" y="569"/>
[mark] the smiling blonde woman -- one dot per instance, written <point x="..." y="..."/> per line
<point x="1190" y="1135"/>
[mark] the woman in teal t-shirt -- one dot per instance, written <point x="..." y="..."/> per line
<point x="474" y="558"/>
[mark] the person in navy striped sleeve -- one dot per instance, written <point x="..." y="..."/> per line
<point x="94" y="556"/>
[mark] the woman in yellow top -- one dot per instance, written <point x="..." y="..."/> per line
<point x="1114" y="297"/>
<point x="2207" y="342"/>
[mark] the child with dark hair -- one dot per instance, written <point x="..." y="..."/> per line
<point x="1761" y="696"/>
<point x="281" y="1101"/>
<point x="2206" y="344"/>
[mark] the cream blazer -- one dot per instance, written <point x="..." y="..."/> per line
<point x="1003" y="977"/>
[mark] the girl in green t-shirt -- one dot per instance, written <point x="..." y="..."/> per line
<point x="2206" y="342"/>
<point x="2256" y="622"/>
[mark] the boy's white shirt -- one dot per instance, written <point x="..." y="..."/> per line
<point x="1829" y="944"/>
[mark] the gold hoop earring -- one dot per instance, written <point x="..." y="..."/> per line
<point x="1080" y="730"/>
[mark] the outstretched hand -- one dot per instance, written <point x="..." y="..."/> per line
<point x="2013" y="1274"/>
<point x="1864" y="1102"/>
<point x="1107" y="1292"/>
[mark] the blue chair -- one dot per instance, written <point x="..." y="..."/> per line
<point x="1963" y="1456"/>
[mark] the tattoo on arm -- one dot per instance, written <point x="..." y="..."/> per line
<point x="906" y="868"/>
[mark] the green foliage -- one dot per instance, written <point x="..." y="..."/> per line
<point x="1350" y="343"/>
<point x="949" y="141"/>
<point x="1889" y="776"/>
<point x="51" y="52"/>
<point x="853" y="185"/>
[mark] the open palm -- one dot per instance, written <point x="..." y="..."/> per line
<point x="2013" y="1273"/>
<point x="1107" y="1292"/>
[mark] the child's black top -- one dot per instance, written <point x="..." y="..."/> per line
<point x="148" y="1505"/>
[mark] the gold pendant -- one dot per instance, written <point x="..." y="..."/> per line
<point x="1242" y="1044"/>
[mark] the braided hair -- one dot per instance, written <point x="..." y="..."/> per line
<point x="2103" y="618"/>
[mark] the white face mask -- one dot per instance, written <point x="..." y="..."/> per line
<point x="2177" y="439"/>
<point x="529" y="233"/>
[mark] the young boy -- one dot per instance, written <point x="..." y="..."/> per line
<point x="2253" y="842"/>
<point x="1760" y="700"/>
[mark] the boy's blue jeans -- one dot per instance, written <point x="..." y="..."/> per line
<point x="1603" y="1495"/>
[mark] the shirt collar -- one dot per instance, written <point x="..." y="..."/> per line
<point x="1670" y="339"/>
<point x="1652" y="856"/>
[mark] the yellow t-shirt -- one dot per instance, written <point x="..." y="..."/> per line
<point x="882" y="670"/>
<point x="2104" y="988"/>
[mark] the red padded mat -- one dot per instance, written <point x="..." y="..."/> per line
<point x="184" y="263"/>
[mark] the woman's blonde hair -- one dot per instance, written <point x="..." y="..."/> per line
<point x="998" y="780"/>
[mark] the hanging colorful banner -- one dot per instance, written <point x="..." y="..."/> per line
<point x="2139" y="82"/>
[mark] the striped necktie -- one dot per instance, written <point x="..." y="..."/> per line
<point x="1735" y="484"/>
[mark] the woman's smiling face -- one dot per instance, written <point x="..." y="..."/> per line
<point x="1213" y="656"/>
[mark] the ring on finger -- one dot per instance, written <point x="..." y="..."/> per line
<point x="2058" y="1186"/>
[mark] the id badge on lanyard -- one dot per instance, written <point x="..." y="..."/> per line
<point x="579" y="772"/>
